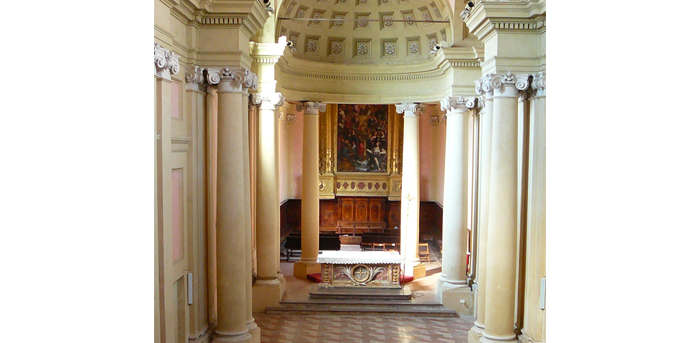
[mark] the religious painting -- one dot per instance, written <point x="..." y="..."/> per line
<point x="362" y="138"/>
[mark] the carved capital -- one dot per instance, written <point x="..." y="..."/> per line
<point x="539" y="83"/>
<point x="311" y="108"/>
<point x="409" y="109"/>
<point x="458" y="102"/>
<point x="195" y="78"/>
<point x="232" y="79"/>
<point x="166" y="62"/>
<point x="509" y="84"/>
<point x="269" y="101"/>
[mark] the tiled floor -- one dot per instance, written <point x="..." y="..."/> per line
<point x="305" y="328"/>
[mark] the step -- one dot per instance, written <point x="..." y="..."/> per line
<point x="412" y="311"/>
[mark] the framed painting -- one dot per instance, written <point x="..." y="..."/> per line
<point x="362" y="139"/>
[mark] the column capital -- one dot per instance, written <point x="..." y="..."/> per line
<point x="166" y="62"/>
<point x="409" y="109"/>
<point x="268" y="101"/>
<point x="311" y="108"/>
<point x="194" y="76"/>
<point x="461" y="103"/>
<point x="232" y="79"/>
<point x="503" y="85"/>
<point x="539" y="84"/>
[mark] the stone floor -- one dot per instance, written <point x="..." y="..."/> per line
<point x="305" y="328"/>
<point x="290" y="328"/>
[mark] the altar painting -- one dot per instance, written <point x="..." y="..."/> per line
<point x="362" y="138"/>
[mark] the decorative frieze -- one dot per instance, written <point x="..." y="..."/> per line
<point x="166" y="62"/>
<point x="194" y="76"/>
<point x="232" y="79"/>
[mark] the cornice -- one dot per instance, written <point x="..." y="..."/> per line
<point x="491" y="16"/>
<point x="330" y="71"/>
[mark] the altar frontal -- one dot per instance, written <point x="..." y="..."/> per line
<point x="373" y="269"/>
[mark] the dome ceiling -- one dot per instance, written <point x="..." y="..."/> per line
<point x="382" y="32"/>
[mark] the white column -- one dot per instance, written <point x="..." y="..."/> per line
<point x="309" y="191"/>
<point x="503" y="207"/>
<point x="268" y="289"/>
<point x="232" y="247"/>
<point x="410" y="186"/>
<point x="483" y="87"/>
<point x="454" y="224"/>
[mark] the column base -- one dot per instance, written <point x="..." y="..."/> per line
<point x="268" y="293"/>
<point x="475" y="334"/>
<point x="301" y="269"/>
<point x="451" y="293"/>
<point x="254" y="334"/>
<point x="486" y="338"/>
<point x="236" y="337"/>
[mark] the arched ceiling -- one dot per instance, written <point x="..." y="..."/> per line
<point x="366" y="31"/>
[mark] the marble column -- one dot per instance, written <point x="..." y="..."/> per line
<point x="501" y="254"/>
<point x="309" y="191"/>
<point x="233" y="272"/>
<point x="483" y="87"/>
<point x="269" y="284"/>
<point x="410" y="186"/>
<point x="453" y="279"/>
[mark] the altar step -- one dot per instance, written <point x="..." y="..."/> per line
<point x="362" y="307"/>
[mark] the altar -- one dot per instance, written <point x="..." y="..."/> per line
<point x="360" y="269"/>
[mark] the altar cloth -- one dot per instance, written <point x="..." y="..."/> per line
<point x="355" y="257"/>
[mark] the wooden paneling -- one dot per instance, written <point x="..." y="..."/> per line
<point x="394" y="214"/>
<point x="329" y="215"/>
<point x="362" y="210"/>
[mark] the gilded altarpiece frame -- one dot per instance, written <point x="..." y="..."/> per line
<point x="333" y="183"/>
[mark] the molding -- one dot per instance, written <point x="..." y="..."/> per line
<point x="165" y="62"/>
<point x="490" y="16"/>
<point x="180" y="139"/>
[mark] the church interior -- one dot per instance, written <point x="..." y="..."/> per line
<point x="405" y="137"/>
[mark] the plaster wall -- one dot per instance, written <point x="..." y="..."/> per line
<point x="295" y="153"/>
<point x="283" y="156"/>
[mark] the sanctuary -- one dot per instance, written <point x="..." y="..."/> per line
<point x="403" y="123"/>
